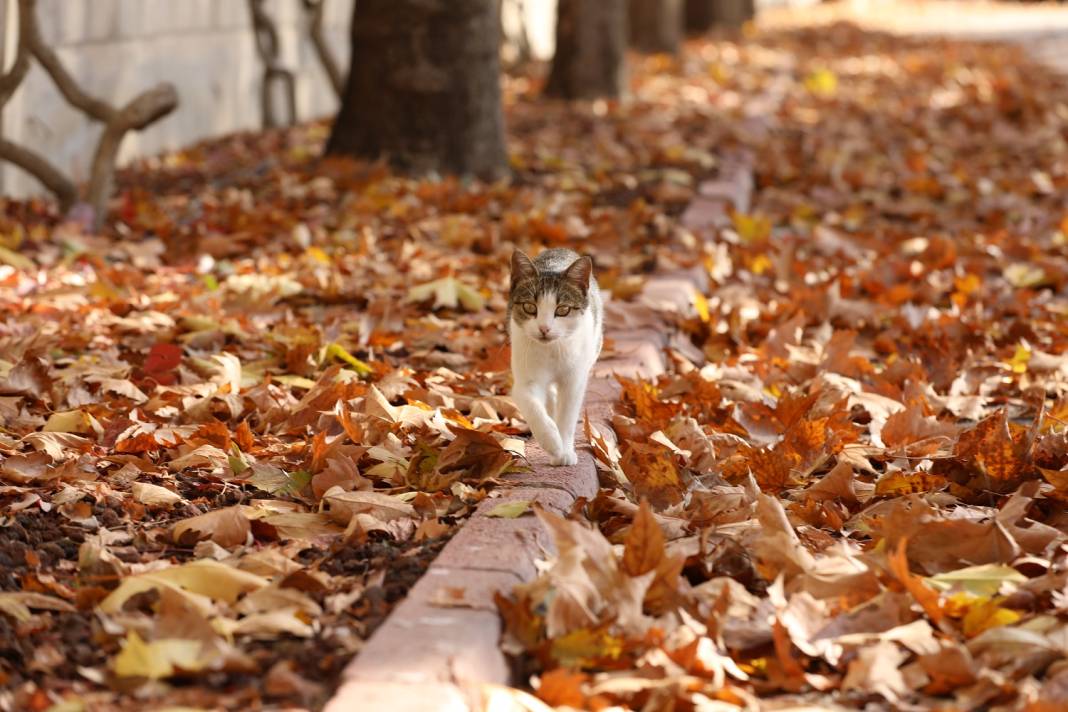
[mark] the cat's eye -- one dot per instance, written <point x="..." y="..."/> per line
<point x="530" y="308"/>
<point x="563" y="311"/>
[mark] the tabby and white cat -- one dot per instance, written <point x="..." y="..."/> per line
<point x="555" y="320"/>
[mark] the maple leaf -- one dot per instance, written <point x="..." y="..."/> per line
<point x="227" y="527"/>
<point x="476" y="455"/>
<point x="653" y="473"/>
<point x="644" y="545"/>
<point x="924" y="595"/>
<point x="447" y="293"/>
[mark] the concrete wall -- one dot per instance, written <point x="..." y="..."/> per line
<point x="118" y="48"/>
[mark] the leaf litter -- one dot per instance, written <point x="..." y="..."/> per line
<point x="849" y="487"/>
<point x="848" y="490"/>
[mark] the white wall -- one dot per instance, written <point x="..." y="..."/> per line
<point x="118" y="48"/>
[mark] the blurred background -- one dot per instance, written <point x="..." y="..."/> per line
<point x="208" y="50"/>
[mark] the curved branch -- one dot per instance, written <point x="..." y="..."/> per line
<point x="10" y="82"/>
<point x="143" y="110"/>
<point x="314" y="11"/>
<point x="41" y="169"/>
<point x="266" y="35"/>
<point x="146" y="108"/>
<point x="70" y="90"/>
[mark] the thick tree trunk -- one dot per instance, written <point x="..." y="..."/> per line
<point x="703" y="15"/>
<point x="591" y="44"/>
<point x="655" y="25"/>
<point x="700" y="16"/>
<point x="424" y="87"/>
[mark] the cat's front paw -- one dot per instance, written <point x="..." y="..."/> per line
<point x="565" y="459"/>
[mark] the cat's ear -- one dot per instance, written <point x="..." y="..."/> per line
<point x="579" y="273"/>
<point x="522" y="268"/>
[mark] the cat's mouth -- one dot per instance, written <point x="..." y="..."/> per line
<point x="546" y="339"/>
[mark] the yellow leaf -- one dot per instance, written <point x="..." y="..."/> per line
<point x="987" y="615"/>
<point x="701" y="305"/>
<point x="981" y="581"/>
<point x="822" y="82"/>
<point x="17" y="604"/>
<point x="293" y="381"/>
<point x="158" y="659"/>
<point x="581" y="647"/>
<point x="336" y="350"/>
<point x="1022" y="276"/>
<point x="318" y="255"/>
<point x="16" y="260"/>
<point x="760" y="264"/>
<point x="447" y="293"/>
<point x="751" y="228"/>
<point x="199" y="581"/>
<point x="510" y="510"/>
<point x="70" y="421"/>
<point x="1018" y="362"/>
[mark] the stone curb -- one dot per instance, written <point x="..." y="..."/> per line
<point x="439" y="647"/>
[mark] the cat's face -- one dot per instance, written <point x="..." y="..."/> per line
<point x="547" y="305"/>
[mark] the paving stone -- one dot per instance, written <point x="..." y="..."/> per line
<point x="623" y="316"/>
<point x="464" y="588"/>
<point x="580" y="479"/>
<point x="602" y="390"/>
<point x="623" y="342"/>
<point x="675" y="294"/>
<point x="644" y="360"/>
<point x="489" y="544"/>
<point x="364" y="696"/>
<point x="549" y="498"/>
<point x="420" y="643"/>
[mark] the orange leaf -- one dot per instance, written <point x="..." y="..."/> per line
<point x="563" y="688"/>
<point x="926" y="596"/>
<point x="644" y="545"/>
<point x="653" y="473"/>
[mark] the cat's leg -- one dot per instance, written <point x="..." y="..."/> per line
<point x="531" y="399"/>
<point x="570" y="396"/>
<point x="551" y="402"/>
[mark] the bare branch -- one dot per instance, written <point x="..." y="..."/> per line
<point x="41" y="169"/>
<point x="73" y="93"/>
<point x="267" y="46"/>
<point x="143" y="110"/>
<point x="313" y="9"/>
<point x="10" y="82"/>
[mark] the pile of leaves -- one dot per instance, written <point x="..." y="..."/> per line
<point x="236" y="428"/>
<point x="858" y="500"/>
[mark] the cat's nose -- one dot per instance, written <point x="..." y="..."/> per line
<point x="544" y="330"/>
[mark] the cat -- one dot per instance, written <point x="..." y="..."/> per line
<point x="555" y="318"/>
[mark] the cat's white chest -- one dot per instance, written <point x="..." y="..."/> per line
<point x="555" y="359"/>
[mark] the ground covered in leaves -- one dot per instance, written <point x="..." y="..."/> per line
<point x="235" y="428"/>
<point x="857" y="499"/>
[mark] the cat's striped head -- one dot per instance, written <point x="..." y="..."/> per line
<point x="549" y="294"/>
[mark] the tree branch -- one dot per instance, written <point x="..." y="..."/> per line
<point x="139" y="113"/>
<point x="70" y="90"/>
<point x="313" y="9"/>
<point x="266" y="35"/>
<point x="10" y="82"/>
<point x="40" y="168"/>
<point x="143" y="110"/>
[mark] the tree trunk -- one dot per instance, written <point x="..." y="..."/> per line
<point x="655" y="25"/>
<point x="424" y="87"/>
<point x="703" y="15"/>
<point x="700" y="16"/>
<point x="591" y="43"/>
